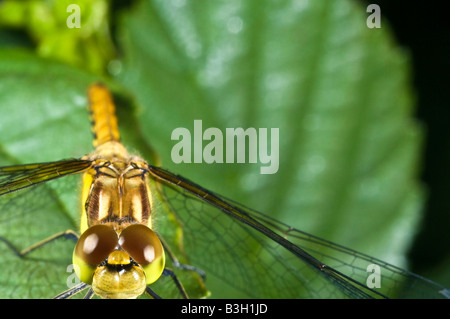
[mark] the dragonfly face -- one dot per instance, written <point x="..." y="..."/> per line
<point x="122" y="249"/>
<point x="119" y="265"/>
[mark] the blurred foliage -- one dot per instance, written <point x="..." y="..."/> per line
<point x="52" y="25"/>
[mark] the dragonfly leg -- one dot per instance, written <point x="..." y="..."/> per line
<point x="171" y="274"/>
<point x="178" y="265"/>
<point x="152" y="293"/>
<point x="68" y="234"/>
<point x="70" y="292"/>
<point x="89" y="294"/>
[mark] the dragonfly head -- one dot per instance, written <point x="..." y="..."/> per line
<point x="119" y="277"/>
<point x="119" y="265"/>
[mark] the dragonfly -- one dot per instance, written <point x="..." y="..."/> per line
<point x="145" y="231"/>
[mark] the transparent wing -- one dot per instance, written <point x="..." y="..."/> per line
<point x="13" y="178"/>
<point x="394" y="282"/>
<point x="31" y="214"/>
<point x="257" y="255"/>
<point x="264" y="258"/>
<point x="27" y="217"/>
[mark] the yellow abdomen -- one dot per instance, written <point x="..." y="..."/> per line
<point x="102" y="114"/>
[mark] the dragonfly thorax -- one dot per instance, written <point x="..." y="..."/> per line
<point x="116" y="192"/>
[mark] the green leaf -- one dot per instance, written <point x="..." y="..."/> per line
<point x="338" y="92"/>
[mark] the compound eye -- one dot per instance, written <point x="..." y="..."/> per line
<point x="141" y="243"/>
<point x="95" y="244"/>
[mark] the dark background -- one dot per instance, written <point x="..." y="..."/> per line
<point x="423" y="29"/>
